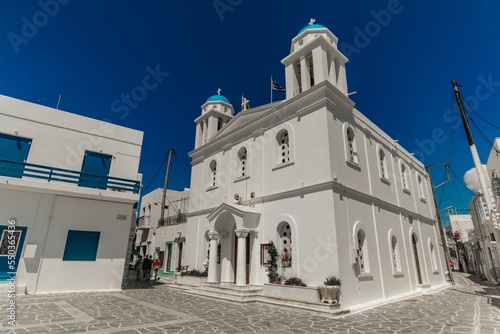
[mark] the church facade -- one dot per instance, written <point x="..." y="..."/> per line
<point x="333" y="192"/>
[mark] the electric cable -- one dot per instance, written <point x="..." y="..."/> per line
<point x="484" y="120"/>
<point x="482" y="134"/>
<point x="460" y="181"/>
<point x="156" y="174"/>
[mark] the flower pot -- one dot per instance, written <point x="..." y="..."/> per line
<point x="330" y="293"/>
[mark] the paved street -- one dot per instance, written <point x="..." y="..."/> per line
<point x="466" y="307"/>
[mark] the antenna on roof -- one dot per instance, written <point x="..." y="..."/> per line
<point x="58" y="101"/>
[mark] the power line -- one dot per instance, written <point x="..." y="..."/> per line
<point x="156" y="174"/>
<point x="484" y="120"/>
<point x="477" y="127"/>
<point x="460" y="181"/>
<point x="483" y="135"/>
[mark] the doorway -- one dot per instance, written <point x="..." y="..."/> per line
<point x="415" y="254"/>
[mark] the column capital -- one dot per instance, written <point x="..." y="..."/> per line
<point x="213" y="235"/>
<point x="241" y="233"/>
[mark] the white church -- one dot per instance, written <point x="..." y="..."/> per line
<point x="333" y="192"/>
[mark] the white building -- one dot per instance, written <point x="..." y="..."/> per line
<point x="68" y="184"/>
<point x="320" y="180"/>
<point x="485" y="248"/>
<point x="486" y="225"/>
<point x="462" y="231"/>
<point x="163" y="238"/>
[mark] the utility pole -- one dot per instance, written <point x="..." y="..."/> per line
<point x="438" y="215"/>
<point x="477" y="162"/>
<point x="485" y="189"/>
<point x="162" y="212"/>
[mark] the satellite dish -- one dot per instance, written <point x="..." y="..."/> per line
<point x="236" y="197"/>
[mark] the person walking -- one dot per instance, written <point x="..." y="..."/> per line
<point x="148" y="262"/>
<point x="138" y="267"/>
<point x="156" y="266"/>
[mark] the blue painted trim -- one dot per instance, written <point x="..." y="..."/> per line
<point x="215" y="98"/>
<point x="70" y="176"/>
<point x="313" y="26"/>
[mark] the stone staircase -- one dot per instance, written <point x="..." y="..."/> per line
<point x="252" y="294"/>
<point x="245" y="294"/>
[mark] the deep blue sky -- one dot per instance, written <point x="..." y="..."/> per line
<point x="92" y="52"/>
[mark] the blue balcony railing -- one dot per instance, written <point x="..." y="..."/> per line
<point x="87" y="180"/>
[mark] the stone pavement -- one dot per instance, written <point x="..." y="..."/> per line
<point x="469" y="306"/>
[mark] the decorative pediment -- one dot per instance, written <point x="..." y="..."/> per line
<point x="246" y="217"/>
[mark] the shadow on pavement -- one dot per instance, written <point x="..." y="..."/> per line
<point x="132" y="283"/>
<point x="490" y="290"/>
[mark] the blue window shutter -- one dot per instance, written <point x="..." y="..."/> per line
<point x="81" y="246"/>
<point x="95" y="170"/>
<point x="13" y="149"/>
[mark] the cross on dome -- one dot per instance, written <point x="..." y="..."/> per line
<point x="245" y="103"/>
<point x="218" y="91"/>
<point x="311" y="22"/>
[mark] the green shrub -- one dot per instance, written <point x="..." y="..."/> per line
<point x="195" y="273"/>
<point x="332" y="280"/>
<point x="295" y="281"/>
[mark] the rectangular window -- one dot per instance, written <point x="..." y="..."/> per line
<point x="81" y="246"/>
<point x="13" y="154"/>
<point x="95" y="169"/>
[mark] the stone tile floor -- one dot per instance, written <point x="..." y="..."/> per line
<point x="469" y="306"/>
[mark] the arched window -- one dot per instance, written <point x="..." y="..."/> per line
<point x="414" y="241"/>
<point x="396" y="257"/>
<point x="213" y="173"/>
<point x="404" y="178"/>
<point x="420" y="187"/>
<point x="283" y="147"/>
<point x="242" y="162"/>
<point x="433" y="258"/>
<point x="285" y="235"/>
<point x="362" y="252"/>
<point x="383" y="165"/>
<point x="352" y="151"/>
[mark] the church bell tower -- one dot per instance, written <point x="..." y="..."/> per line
<point x="314" y="57"/>
<point x="215" y="113"/>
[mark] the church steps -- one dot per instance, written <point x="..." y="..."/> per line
<point x="254" y="294"/>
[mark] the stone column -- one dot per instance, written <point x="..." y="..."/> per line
<point x="241" y="270"/>
<point x="304" y="72"/>
<point x="255" y="258"/>
<point x="212" y="260"/>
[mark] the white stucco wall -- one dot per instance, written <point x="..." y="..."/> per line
<point x="50" y="209"/>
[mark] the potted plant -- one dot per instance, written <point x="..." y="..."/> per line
<point x="330" y="290"/>
<point x="293" y="288"/>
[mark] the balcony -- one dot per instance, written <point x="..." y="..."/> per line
<point x="144" y="223"/>
<point x="87" y="180"/>
<point x="173" y="220"/>
<point x="495" y="183"/>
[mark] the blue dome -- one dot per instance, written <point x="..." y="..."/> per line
<point x="219" y="98"/>
<point x="312" y="26"/>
